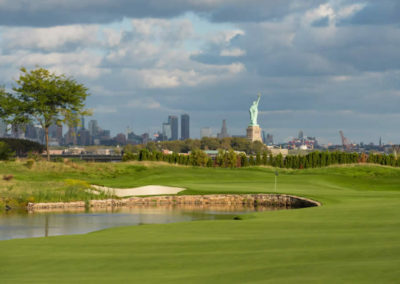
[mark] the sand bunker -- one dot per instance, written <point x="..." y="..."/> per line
<point x="137" y="191"/>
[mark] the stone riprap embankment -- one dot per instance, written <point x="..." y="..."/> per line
<point x="267" y="200"/>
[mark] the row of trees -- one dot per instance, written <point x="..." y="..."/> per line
<point x="206" y="143"/>
<point x="232" y="159"/>
<point x="22" y="147"/>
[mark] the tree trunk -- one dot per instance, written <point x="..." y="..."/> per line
<point x="46" y="130"/>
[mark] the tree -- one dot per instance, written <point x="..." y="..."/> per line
<point x="198" y="158"/>
<point x="45" y="98"/>
<point x="5" y="151"/>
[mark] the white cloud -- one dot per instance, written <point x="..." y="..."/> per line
<point x="49" y="38"/>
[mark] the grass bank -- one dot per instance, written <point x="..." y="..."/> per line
<point x="353" y="237"/>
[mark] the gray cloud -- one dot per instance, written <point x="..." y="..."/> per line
<point x="63" y="12"/>
<point x="376" y="13"/>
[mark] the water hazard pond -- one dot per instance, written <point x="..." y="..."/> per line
<point x="40" y="224"/>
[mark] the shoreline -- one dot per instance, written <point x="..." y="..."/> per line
<point x="271" y="200"/>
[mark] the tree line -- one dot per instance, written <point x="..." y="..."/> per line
<point x="232" y="159"/>
<point x="10" y="147"/>
<point x="206" y="143"/>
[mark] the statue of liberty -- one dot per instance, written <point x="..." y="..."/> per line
<point x="254" y="111"/>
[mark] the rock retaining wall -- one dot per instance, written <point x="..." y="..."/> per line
<point x="269" y="200"/>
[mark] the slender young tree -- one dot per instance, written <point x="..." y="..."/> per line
<point x="43" y="97"/>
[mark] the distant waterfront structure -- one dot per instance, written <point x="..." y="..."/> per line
<point x="205" y="132"/>
<point x="224" y="131"/>
<point x="173" y="121"/>
<point x="185" y="126"/>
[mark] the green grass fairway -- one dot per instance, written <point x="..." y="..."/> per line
<point x="354" y="237"/>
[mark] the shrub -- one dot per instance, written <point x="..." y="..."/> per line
<point x="29" y="164"/>
<point x="128" y="156"/>
<point x="35" y="156"/>
<point x="5" y="151"/>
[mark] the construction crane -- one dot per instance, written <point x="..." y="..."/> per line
<point x="345" y="142"/>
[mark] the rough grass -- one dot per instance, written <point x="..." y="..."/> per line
<point x="353" y="237"/>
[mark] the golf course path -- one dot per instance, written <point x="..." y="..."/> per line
<point x="142" y="190"/>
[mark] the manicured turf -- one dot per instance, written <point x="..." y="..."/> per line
<point x="354" y="237"/>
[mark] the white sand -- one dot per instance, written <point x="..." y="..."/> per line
<point x="142" y="190"/>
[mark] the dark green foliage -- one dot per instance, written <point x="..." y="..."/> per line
<point x="230" y="159"/>
<point x="6" y="152"/>
<point x="198" y="158"/>
<point x="22" y="147"/>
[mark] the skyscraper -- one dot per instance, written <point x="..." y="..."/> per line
<point x="173" y="121"/>
<point x="82" y="122"/>
<point x="93" y="128"/>
<point x="224" y="131"/>
<point x="301" y="135"/>
<point x="185" y="134"/>
<point x="166" y="131"/>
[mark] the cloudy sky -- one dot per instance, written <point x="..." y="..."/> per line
<point x="321" y="66"/>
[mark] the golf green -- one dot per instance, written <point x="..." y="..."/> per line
<point x="353" y="237"/>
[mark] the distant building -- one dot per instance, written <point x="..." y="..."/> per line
<point x="17" y="131"/>
<point x="3" y="128"/>
<point x="173" y="121"/>
<point x="84" y="138"/>
<point x="301" y="134"/>
<point x="70" y="137"/>
<point x="55" y="133"/>
<point x="120" y="139"/>
<point x="82" y="122"/>
<point x="145" y="138"/>
<point x="93" y="128"/>
<point x="166" y="131"/>
<point x="205" y="132"/>
<point x="35" y="133"/>
<point x="185" y="122"/>
<point x="30" y="132"/>
<point x="276" y="151"/>
<point x="224" y="131"/>
<point x="134" y="139"/>
<point x="269" y="140"/>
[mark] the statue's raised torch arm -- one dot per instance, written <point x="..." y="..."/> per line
<point x="254" y="111"/>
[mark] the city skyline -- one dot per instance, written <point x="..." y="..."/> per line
<point x="321" y="66"/>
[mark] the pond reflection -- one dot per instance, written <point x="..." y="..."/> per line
<point x="52" y="223"/>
